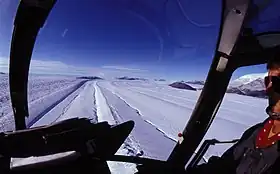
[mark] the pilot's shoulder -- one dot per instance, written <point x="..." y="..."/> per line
<point x="252" y="129"/>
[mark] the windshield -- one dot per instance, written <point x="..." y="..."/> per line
<point x="119" y="60"/>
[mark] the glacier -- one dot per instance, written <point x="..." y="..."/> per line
<point x="160" y="112"/>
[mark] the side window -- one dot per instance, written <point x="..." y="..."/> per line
<point x="243" y="106"/>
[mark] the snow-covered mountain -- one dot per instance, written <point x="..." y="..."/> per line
<point x="246" y="79"/>
<point x="182" y="85"/>
<point x="196" y="82"/>
<point x="250" y="85"/>
<point x="131" y="78"/>
<point x="256" y="85"/>
<point x="90" y="78"/>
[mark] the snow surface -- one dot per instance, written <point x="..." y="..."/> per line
<point x="43" y="93"/>
<point x="160" y="112"/>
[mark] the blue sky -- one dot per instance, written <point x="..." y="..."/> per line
<point x="123" y="37"/>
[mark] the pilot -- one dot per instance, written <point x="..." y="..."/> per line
<point x="258" y="150"/>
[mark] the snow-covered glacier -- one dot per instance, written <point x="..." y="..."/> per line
<point x="160" y="112"/>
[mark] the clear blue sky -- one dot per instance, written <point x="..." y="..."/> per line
<point x="175" y="42"/>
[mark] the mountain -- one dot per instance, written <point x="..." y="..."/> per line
<point x="182" y="85"/>
<point x="254" y="88"/>
<point x="130" y="78"/>
<point x="90" y="78"/>
<point x="255" y="85"/>
<point x="249" y="85"/>
<point x="246" y="79"/>
<point x="196" y="82"/>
